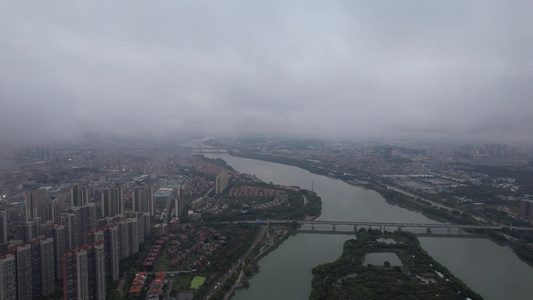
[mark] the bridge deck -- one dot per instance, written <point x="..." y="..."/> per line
<point x="394" y="224"/>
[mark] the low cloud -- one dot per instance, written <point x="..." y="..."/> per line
<point x="341" y="69"/>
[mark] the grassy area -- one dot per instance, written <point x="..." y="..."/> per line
<point x="162" y="262"/>
<point x="197" y="282"/>
<point x="182" y="282"/>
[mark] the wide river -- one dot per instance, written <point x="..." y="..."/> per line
<point x="491" y="270"/>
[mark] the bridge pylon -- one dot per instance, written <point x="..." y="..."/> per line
<point x="428" y="230"/>
<point x="334" y="228"/>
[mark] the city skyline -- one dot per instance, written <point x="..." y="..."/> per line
<point x="454" y="70"/>
<point x="78" y="219"/>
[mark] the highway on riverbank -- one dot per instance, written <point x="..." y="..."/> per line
<point x="235" y="266"/>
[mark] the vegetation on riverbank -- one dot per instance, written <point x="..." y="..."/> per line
<point x="300" y="205"/>
<point x="216" y="161"/>
<point x="282" y="160"/>
<point x="278" y="234"/>
<point x="390" y="196"/>
<point x="426" y="208"/>
<point x="419" y="277"/>
<point x="520" y="246"/>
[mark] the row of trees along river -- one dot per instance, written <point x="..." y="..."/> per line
<point x="492" y="270"/>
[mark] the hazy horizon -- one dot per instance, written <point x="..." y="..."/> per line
<point x="454" y="70"/>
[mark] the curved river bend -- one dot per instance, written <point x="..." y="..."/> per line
<point x="493" y="271"/>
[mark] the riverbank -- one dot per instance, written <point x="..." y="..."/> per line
<point x="274" y="246"/>
<point x="393" y="197"/>
<point x="504" y="278"/>
<point x="281" y="160"/>
<point x="439" y="212"/>
<point x="252" y="266"/>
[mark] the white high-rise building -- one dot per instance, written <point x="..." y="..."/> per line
<point x="222" y="181"/>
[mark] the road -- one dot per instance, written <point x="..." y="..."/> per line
<point x="449" y="209"/>
<point x="236" y="264"/>
<point x="234" y="286"/>
<point x="169" y="288"/>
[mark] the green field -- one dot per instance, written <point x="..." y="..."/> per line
<point x="197" y="282"/>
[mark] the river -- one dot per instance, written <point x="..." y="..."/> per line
<point x="491" y="270"/>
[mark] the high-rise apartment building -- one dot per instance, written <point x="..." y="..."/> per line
<point x="3" y="227"/>
<point x="79" y="196"/>
<point x="112" y="251"/>
<point x="70" y="275"/>
<point x="47" y="266"/>
<point x="8" y="276"/>
<point x="140" y="227"/>
<point x="526" y="209"/>
<point x="147" y="224"/>
<point x="140" y="219"/>
<point x="110" y="235"/>
<point x="60" y="247"/>
<point x="35" y="201"/>
<point x="42" y="271"/>
<point x="81" y="219"/>
<point x="179" y="201"/>
<point x="88" y="217"/>
<point x="143" y="199"/>
<point x="54" y="210"/>
<point x="112" y="202"/>
<point x="37" y="227"/>
<point x="30" y="230"/>
<point x="36" y="269"/>
<point x="129" y="243"/>
<point x="84" y="272"/>
<point x="221" y="183"/>
<point x="71" y="230"/>
<point x="24" y="272"/>
<point x="91" y="237"/>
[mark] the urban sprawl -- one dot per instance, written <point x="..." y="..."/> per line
<point x="129" y="219"/>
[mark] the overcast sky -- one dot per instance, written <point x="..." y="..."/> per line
<point x="351" y="69"/>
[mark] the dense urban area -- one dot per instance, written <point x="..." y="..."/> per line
<point x="118" y="219"/>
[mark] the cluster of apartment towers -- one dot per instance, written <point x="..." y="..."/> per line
<point x="75" y="246"/>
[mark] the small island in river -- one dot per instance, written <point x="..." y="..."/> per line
<point x="406" y="272"/>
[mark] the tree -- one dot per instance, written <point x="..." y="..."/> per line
<point x="397" y="269"/>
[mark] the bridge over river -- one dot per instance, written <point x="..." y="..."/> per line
<point x="197" y="150"/>
<point x="383" y="225"/>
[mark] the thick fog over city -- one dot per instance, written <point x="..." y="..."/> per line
<point x="337" y="69"/>
<point x="266" y="149"/>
